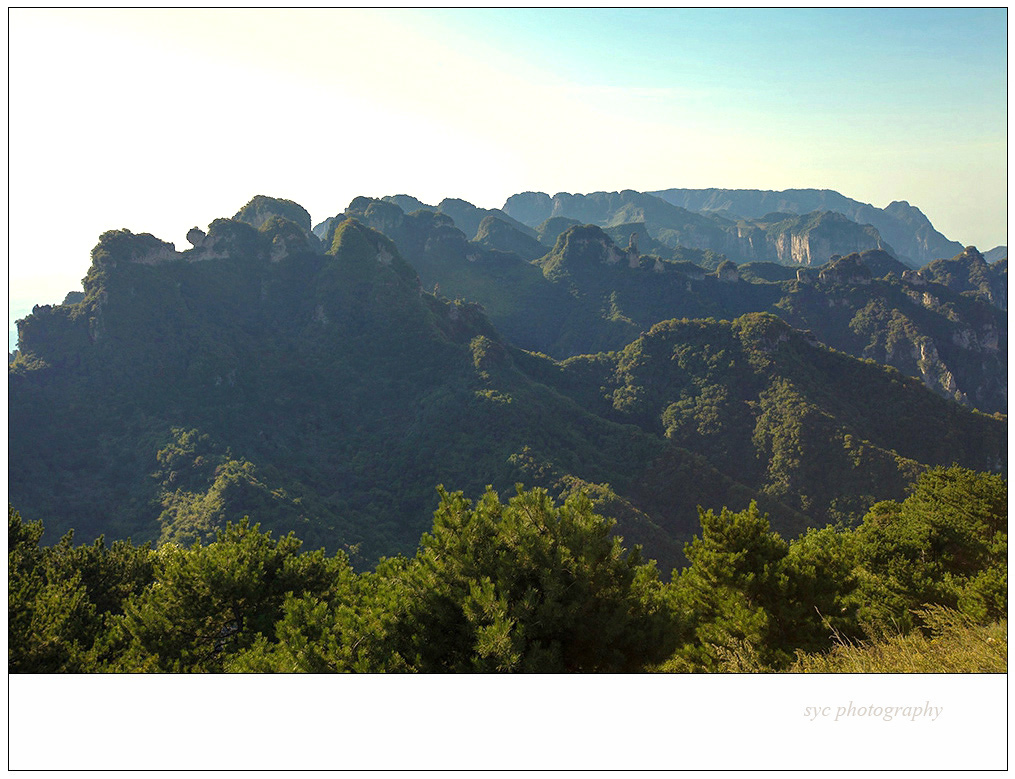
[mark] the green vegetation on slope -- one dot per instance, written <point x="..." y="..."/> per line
<point x="531" y="584"/>
<point x="595" y="296"/>
<point x="326" y="392"/>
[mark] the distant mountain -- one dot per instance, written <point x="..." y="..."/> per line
<point x="549" y="229"/>
<point x="409" y="204"/>
<point x="995" y="254"/>
<point x="786" y="238"/>
<point x="901" y="225"/>
<point x="527" y="308"/>
<point x="635" y="237"/>
<point x="311" y="382"/>
<point x="495" y="233"/>
<point x="808" y="239"/>
<point x="593" y="295"/>
<point x="465" y="216"/>
<point x="468" y="217"/>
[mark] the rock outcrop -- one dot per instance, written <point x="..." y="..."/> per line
<point x="790" y="239"/>
<point x="968" y="273"/>
<point x="899" y="224"/>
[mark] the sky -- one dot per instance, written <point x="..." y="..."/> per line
<point x="161" y="120"/>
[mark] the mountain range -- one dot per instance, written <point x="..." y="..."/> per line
<point x="903" y="226"/>
<point x="596" y="288"/>
<point x="325" y="380"/>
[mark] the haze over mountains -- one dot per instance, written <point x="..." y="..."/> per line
<point x="900" y="224"/>
<point x="325" y="380"/>
<point x="599" y="269"/>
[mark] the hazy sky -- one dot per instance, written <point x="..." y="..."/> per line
<point x="160" y="120"/>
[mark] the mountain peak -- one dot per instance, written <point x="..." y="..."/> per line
<point x="972" y="254"/>
<point x="261" y="208"/>
<point x="587" y="244"/>
<point x="116" y="246"/>
<point x="352" y="242"/>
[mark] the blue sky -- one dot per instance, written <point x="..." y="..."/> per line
<point x="162" y="120"/>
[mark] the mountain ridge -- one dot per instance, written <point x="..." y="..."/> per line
<point x="318" y="386"/>
<point x="873" y="306"/>
<point x="904" y="226"/>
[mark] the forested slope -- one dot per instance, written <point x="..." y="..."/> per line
<point x="274" y="386"/>
<point x="311" y="382"/>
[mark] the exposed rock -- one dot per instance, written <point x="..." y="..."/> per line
<point x="727" y="271"/>
<point x="811" y="239"/>
<point x="806" y="276"/>
<point x="196" y="236"/>
<point x="227" y="237"/>
<point x="786" y="238"/>
<point x="903" y="226"/>
<point x="632" y="244"/>
<point x="321" y="230"/>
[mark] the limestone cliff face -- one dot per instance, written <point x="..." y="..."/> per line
<point x="831" y="269"/>
<point x="900" y="224"/>
<point x="727" y="271"/>
<point x="751" y="243"/>
<point x="793" y="249"/>
<point x="786" y="238"/>
<point x="815" y="238"/>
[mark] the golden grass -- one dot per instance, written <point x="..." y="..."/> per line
<point x="955" y="644"/>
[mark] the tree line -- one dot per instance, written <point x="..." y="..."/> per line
<point x="526" y="584"/>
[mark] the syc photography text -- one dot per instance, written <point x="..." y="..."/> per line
<point x="886" y="713"/>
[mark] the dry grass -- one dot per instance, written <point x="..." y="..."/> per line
<point x="954" y="645"/>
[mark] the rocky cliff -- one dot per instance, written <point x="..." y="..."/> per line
<point x="787" y="238"/>
<point x="901" y="225"/>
